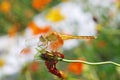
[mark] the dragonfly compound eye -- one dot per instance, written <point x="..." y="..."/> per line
<point x="42" y="39"/>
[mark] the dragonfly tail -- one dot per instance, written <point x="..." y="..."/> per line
<point x="67" y="37"/>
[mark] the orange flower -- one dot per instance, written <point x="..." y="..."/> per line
<point x="101" y="44"/>
<point x="5" y="6"/>
<point x="37" y="30"/>
<point x="13" y="30"/>
<point x="26" y="51"/>
<point x="40" y="4"/>
<point x="75" y="68"/>
<point x="34" y="66"/>
<point x="63" y="74"/>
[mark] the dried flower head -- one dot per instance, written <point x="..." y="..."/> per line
<point x="51" y="59"/>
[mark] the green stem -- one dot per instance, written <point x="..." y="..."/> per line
<point x="28" y="75"/>
<point x="89" y="63"/>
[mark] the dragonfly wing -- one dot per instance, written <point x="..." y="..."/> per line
<point x="32" y="42"/>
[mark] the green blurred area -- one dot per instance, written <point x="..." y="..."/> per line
<point x="19" y="13"/>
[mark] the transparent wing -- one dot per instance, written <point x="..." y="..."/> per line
<point x="32" y="42"/>
<point x="29" y="45"/>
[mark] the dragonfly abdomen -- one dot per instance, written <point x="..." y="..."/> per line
<point x="66" y="37"/>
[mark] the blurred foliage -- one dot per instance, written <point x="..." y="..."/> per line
<point x="21" y="12"/>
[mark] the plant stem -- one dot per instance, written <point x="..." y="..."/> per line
<point x="89" y="63"/>
<point x="28" y="75"/>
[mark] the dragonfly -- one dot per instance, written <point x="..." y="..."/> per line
<point x="53" y="36"/>
<point x="56" y="40"/>
<point x="53" y="40"/>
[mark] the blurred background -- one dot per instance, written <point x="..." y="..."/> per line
<point x="23" y="21"/>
